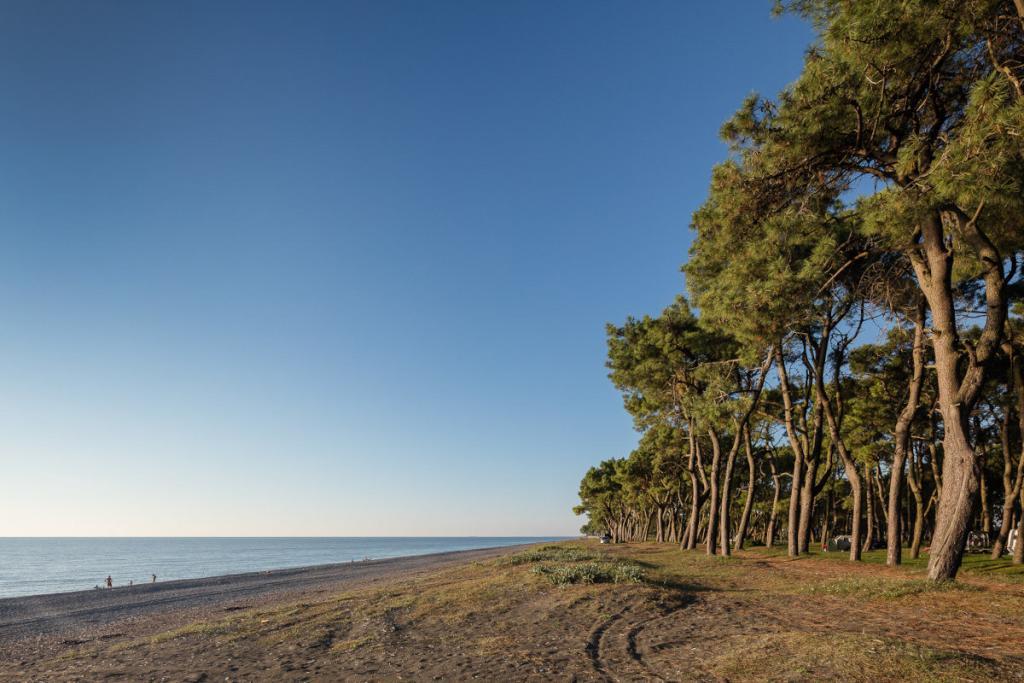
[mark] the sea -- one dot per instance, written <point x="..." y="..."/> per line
<point x="32" y="566"/>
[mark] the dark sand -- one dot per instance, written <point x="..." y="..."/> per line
<point x="86" y="615"/>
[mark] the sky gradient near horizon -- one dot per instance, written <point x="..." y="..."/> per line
<point x="342" y="268"/>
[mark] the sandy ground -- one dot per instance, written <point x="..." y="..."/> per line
<point x="497" y="616"/>
<point x="84" y="616"/>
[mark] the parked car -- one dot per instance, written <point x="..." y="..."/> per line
<point x="841" y="543"/>
<point x="607" y="538"/>
<point x="977" y="542"/>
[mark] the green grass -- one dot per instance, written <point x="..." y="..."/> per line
<point x="554" y="553"/>
<point x="886" y="589"/>
<point x="979" y="564"/>
<point x="590" y="572"/>
<point x="564" y="565"/>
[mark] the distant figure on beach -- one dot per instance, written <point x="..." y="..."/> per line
<point x="131" y="582"/>
<point x="154" y="578"/>
<point x="110" y="582"/>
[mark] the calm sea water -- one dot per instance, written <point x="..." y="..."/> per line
<point x="29" y="566"/>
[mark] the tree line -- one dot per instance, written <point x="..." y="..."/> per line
<point x="848" y="360"/>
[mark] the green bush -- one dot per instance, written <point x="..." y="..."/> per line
<point x="628" y="573"/>
<point x="553" y="553"/>
<point x="590" y="572"/>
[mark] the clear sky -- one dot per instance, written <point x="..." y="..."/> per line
<point x="342" y="268"/>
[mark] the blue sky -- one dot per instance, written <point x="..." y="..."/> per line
<point x="342" y="268"/>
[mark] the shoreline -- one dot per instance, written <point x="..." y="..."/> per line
<point x="59" y="565"/>
<point x="51" y="614"/>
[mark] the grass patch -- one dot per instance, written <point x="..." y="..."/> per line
<point x="870" y="587"/>
<point x="200" y="628"/>
<point x="553" y="553"/>
<point x="798" y="656"/>
<point x="974" y="564"/>
<point x="565" y="565"/>
<point x="590" y="572"/>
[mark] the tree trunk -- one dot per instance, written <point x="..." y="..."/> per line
<point x="914" y="481"/>
<point x="739" y="428"/>
<point x="1011" y="486"/>
<point x="932" y="261"/>
<point x="953" y="515"/>
<point x="869" y="538"/>
<point x="716" y="457"/>
<point x="741" y="532"/>
<point x="807" y="501"/>
<point x="1018" y="549"/>
<point x="695" y="497"/>
<point x="769" y="532"/>
<point x="832" y="420"/>
<point x="915" y="538"/>
<point x="798" y="461"/>
<point x="894" y="533"/>
<point x="724" y="524"/>
<point x="828" y="521"/>
<point x="999" y="545"/>
<point x="986" y="506"/>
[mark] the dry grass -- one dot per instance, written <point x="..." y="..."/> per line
<point x="799" y="656"/>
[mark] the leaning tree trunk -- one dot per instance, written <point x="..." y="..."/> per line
<point x="724" y="524"/>
<point x="894" y="533"/>
<point x="955" y="511"/>
<point x="999" y="546"/>
<point x="849" y="464"/>
<point x="739" y="428"/>
<point x="741" y="531"/>
<point x="869" y="538"/>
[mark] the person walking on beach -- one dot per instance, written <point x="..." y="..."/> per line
<point x="110" y="582"/>
<point x="154" y="578"/>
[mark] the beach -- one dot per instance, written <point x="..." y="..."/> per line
<point x="567" y="611"/>
<point x="90" y="614"/>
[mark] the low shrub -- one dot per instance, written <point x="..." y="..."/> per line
<point x="590" y="572"/>
<point x="553" y="553"/>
